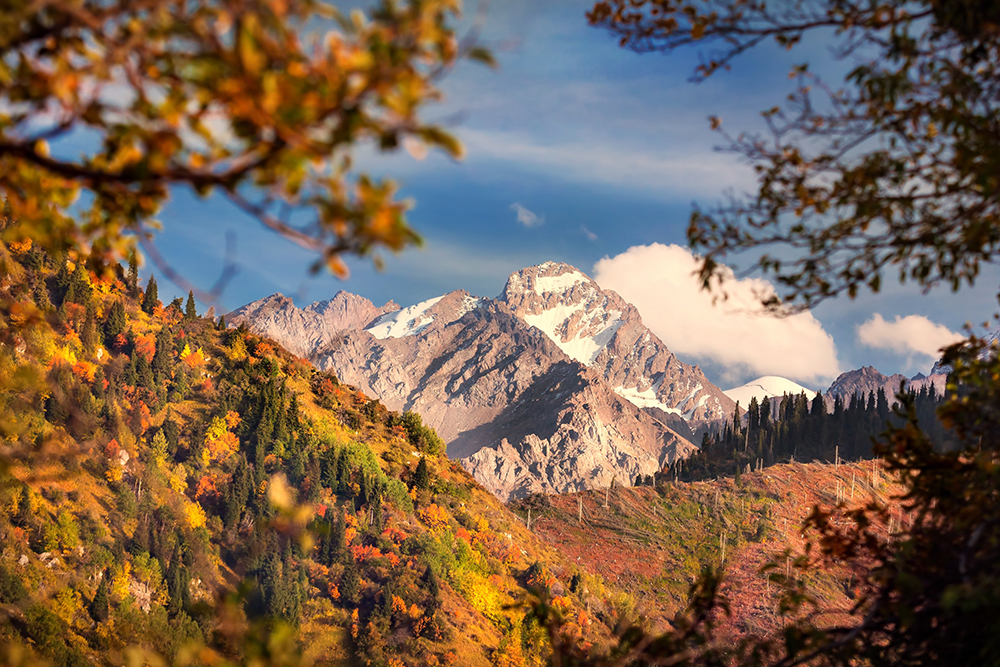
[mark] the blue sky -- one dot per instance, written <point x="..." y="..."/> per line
<point x="609" y="149"/>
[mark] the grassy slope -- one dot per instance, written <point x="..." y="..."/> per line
<point x="651" y="543"/>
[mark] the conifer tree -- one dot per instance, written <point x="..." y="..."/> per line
<point x="222" y="323"/>
<point x="343" y="473"/>
<point x="190" y="310"/>
<point x="100" y="606"/>
<point x="40" y="293"/>
<point x="89" y="335"/>
<point x="422" y="475"/>
<point x="350" y="581"/>
<point x="132" y="278"/>
<point x="115" y="323"/>
<point x="151" y="298"/>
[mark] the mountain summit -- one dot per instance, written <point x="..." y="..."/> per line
<point x="553" y="386"/>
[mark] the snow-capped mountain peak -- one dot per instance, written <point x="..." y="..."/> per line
<point x="770" y="386"/>
<point x="601" y="330"/>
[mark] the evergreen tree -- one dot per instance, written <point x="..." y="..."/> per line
<point x="132" y="279"/>
<point x="115" y="323"/>
<point x="422" y="475"/>
<point x="62" y="281"/>
<point x="222" y="323"/>
<point x="350" y="582"/>
<point x="150" y="299"/>
<point x="25" y="514"/>
<point x="190" y="311"/>
<point x="178" y="587"/>
<point x="88" y="337"/>
<point x="171" y="432"/>
<point x="343" y="473"/>
<point x="40" y="293"/>
<point x="162" y="358"/>
<point x="79" y="289"/>
<point x="100" y="606"/>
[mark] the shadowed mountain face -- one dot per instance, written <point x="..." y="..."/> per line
<point x="556" y="385"/>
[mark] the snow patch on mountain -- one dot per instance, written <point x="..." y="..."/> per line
<point x="769" y="386"/>
<point x="469" y="304"/>
<point x="559" y="283"/>
<point x="581" y="347"/>
<point x="405" y="322"/>
<point x="646" y="398"/>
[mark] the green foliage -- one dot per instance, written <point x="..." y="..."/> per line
<point x="422" y="476"/>
<point x="11" y="588"/>
<point x="422" y="437"/>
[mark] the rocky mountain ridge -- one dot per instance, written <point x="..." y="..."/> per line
<point x="868" y="379"/>
<point x="555" y="385"/>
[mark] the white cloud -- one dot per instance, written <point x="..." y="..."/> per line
<point x="526" y="217"/>
<point x="907" y="335"/>
<point x="659" y="280"/>
<point x="591" y="236"/>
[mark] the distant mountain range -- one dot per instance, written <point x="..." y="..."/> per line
<point x="555" y="385"/>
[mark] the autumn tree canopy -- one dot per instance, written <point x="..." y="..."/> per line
<point x="259" y="100"/>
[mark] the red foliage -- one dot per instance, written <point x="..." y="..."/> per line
<point x="111" y="449"/>
<point x="146" y="346"/>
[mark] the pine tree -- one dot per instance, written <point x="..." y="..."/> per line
<point x="89" y="335"/>
<point x="100" y="606"/>
<point x="40" y="293"/>
<point x="62" y="281"/>
<point x="25" y="514"/>
<point x="422" y="475"/>
<point x="178" y="587"/>
<point x="132" y="279"/>
<point x="190" y="311"/>
<point x="222" y="323"/>
<point x="343" y="473"/>
<point x="79" y="290"/>
<point x="151" y="298"/>
<point x="115" y="323"/>
<point x="350" y="582"/>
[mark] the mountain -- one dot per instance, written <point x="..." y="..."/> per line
<point x="867" y="380"/>
<point x="770" y="386"/>
<point x="313" y="328"/>
<point x="555" y="385"/>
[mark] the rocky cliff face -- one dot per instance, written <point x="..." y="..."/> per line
<point x="553" y="386"/>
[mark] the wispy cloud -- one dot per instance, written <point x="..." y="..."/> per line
<point x="667" y="172"/>
<point x="591" y="236"/>
<point x="527" y="218"/>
